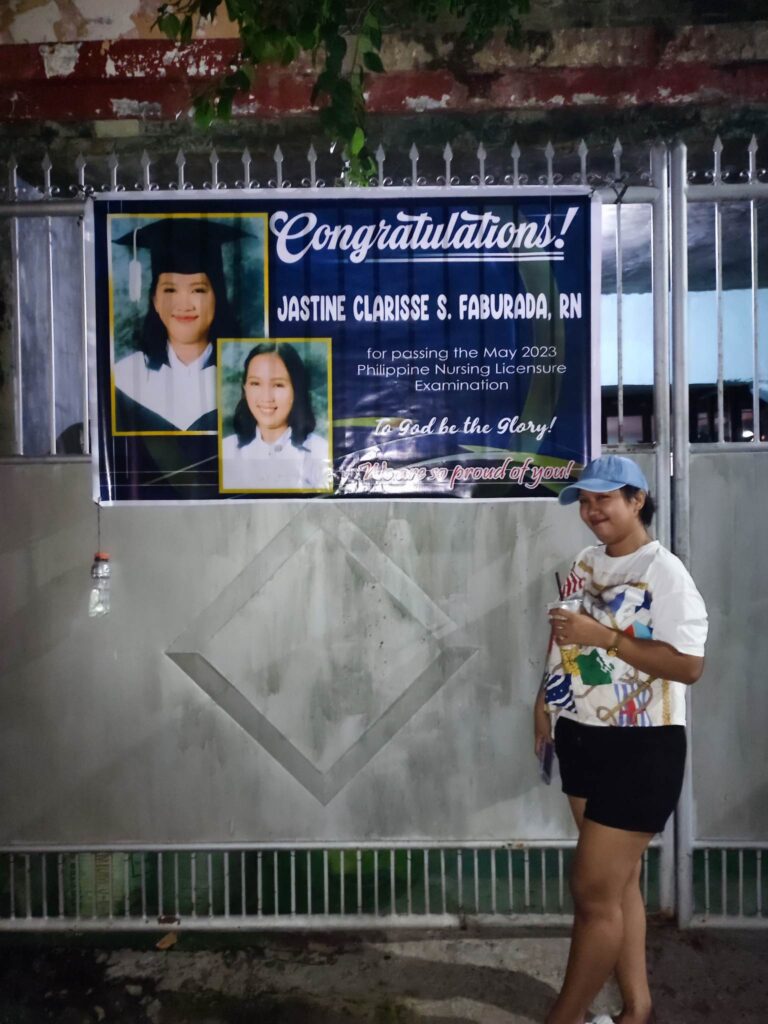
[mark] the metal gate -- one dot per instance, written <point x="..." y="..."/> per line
<point x="60" y="870"/>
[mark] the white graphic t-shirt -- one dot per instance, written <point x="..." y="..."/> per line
<point x="647" y="594"/>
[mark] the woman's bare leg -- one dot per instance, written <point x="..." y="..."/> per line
<point x="606" y="860"/>
<point x="631" y="971"/>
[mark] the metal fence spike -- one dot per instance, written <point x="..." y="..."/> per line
<point x="617" y="151"/>
<point x="180" y="162"/>
<point x="113" y="163"/>
<point x="47" y="166"/>
<point x="448" y="158"/>
<point x="515" y="164"/>
<point x="583" y="152"/>
<point x="80" y="165"/>
<point x="481" y="156"/>
<point x="381" y="156"/>
<point x="245" y="159"/>
<point x="146" y="163"/>
<point x="278" y="157"/>
<point x="549" y="153"/>
<point x="312" y="158"/>
<point x="413" y="153"/>
<point x="13" y="177"/>
<point x="752" y="150"/>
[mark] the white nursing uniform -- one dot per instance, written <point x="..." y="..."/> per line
<point x="279" y="466"/>
<point x="179" y="392"/>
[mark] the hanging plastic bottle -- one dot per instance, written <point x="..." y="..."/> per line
<point x="100" y="574"/>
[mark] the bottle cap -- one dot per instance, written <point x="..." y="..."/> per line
<point x="101" y="556"/>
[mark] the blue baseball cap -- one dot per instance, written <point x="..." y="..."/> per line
<point x="608" y="473"/>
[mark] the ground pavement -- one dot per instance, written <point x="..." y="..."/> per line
<point x="438" y="978"/>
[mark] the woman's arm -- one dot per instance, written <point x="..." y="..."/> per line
<point x="654" y="657"/>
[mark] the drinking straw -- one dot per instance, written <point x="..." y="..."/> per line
<point x="559" y="586"/>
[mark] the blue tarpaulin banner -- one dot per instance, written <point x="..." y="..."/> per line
<point x="426" y="343"/>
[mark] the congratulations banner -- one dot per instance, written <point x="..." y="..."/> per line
<point x="423" y="344"/>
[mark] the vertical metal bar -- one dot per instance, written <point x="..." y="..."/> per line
<point x="326" y="895"/>
<point x="342" y="900"/>
<point x="753" y="241"/>
<point x="560" y="881"/>
<point x="51" y="342"/>
<point x="493" y="881"/>
<point x="392" y="902"/>
<point x="110" y="881"/>
<point x="84" y="297"/>
<point x="376" y="882"/>
<point x="143" y="873"/>
<point x="426" y="881"/>
<point x="359" y="859"/>
<point x="60" y="882"/>
<point x="259" y="884"/>
<point x="476" y="879"/>
<point x="193" y="881"/>
<point x="160" y="900"/>
<point x="44" y="884"/>
<point x="176" y="886"/>
<point x="759" y="882"/>
<point x="724" y="882"/>
<point x="510" y="888"/>
<point x="460" y="872"/>
<point x="527" y="878"/>
<point x="243" y="883"/>
<point x="409" y="882"/>
<point x="719" y="321"/>
<point x="741" y="883"/>
<point x="77" y="885"/>
<point x="12" y="884"/>
<point x="293" y="883"/>
<point x="661" y="409"/>
<point x="706" y="883"/>
<point x="443" y="893"/>
<point x="209" y="864"/>
<point x="126" y="886"/>
<point x="619" y="326"/>
<point x="275" y="888"/>
<point x="28" y="885"/>
<point x="681" y="487"/>
<point x="18" y="368"/>
<point x="309" y="881"/>
<point x="543" y="853"/>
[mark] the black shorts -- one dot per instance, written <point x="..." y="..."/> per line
<point x="631" y="776"/>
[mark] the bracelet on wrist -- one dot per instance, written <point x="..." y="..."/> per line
<point x="613" y="649"/>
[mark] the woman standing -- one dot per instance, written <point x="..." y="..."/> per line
<point x="615" y="685"/>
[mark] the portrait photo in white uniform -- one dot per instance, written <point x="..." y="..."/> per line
<point x="179" y="284"/>
<point x="275" y="416"/>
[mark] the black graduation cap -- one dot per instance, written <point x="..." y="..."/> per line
<point x="179" y="245"/>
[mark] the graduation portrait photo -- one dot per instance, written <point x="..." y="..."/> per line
<point x="178" y="284"/>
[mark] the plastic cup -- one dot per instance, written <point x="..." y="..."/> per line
<point x="571" y="604"/>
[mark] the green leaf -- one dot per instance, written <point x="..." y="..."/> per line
<point x="169" y="25"/>
<point x="373" y="61"/>
<point x="185" y="34"/>
<point x="357" y="141"/>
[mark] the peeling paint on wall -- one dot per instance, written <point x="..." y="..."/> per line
<point x="135" y="108"/>
<point x="35" y="24"/>
<point x="421" y="103"/>
<point x="60" y="60"/>
<point x="108" y="20"/>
